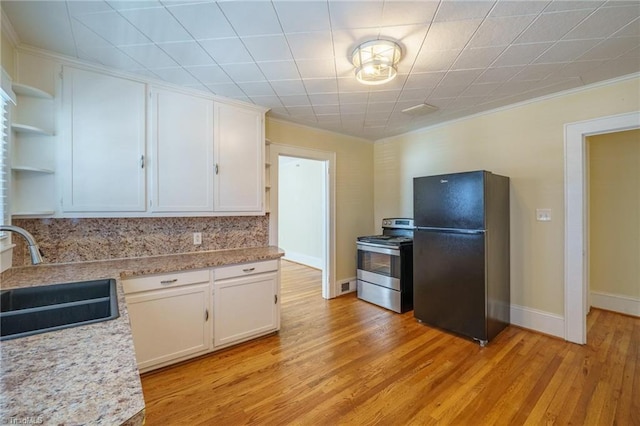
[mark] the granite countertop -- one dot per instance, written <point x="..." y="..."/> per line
<point x="88" y="374"/>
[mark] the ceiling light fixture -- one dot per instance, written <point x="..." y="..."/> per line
<point x="376" y="61"/>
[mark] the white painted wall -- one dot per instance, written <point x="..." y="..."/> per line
<point x="300" y="210"/>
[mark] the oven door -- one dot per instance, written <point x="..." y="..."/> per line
<point x="379" y="265"/>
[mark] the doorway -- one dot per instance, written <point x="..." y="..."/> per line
<point x="315" y="247"/>
<point x="576" y="250"/>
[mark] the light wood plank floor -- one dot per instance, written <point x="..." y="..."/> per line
<point x="348" y="362"/>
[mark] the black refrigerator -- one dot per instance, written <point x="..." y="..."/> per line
<point x="461" y="253"/>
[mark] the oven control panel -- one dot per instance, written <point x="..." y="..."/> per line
<point x="401" y="223"/>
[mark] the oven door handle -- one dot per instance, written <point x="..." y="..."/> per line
<point x="379" y="249"/>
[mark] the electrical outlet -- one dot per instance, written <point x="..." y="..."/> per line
<point x="543" y="215"/>
<point x="197" y="238"/>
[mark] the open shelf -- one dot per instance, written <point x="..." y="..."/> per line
<point x="32" y="130"/>
<point x="25" y="90"/>
<point x="32" y="169"/>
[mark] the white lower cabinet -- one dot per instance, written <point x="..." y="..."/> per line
<point x="170" y="317"/>
<point x="246" y="302"/>
<point x="181" y="315"/>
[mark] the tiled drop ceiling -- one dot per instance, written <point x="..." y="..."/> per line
<point x="463" y="57"/>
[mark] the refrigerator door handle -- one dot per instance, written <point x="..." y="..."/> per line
<point x="450" y="230"/>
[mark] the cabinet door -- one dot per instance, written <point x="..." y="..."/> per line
<point x="182" y="157"/>
<point x="104" y="144"/>
<point x="239" y="159"/>
<point x="245" y="307"/>
<point x="170" y="324"/>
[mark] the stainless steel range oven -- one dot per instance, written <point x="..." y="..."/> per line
<point x="385" y="266"/>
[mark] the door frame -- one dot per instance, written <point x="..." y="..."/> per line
<point x="329" y="290"/>
<point x="576" y="279"/>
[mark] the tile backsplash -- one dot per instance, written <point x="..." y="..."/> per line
<point x="86" y="239"/>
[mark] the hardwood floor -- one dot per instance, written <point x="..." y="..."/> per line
<point x="344" y="361"/>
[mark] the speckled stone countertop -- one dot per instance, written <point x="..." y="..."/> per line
<point x="88" y="374"/>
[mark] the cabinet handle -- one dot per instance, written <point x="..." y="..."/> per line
<point x="216" y="168"/>
<point x="142" y="161"/>
<point x="165" y="282"/>
<point x="275" y="299"/>
<point x="206" y="315"/>
<point x="247" y="270"/>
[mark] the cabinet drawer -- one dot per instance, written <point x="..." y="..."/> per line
<point x="245" y="269"/>
<point x="155" y="282"/>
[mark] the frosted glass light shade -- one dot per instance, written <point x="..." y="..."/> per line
<point x="376" y="61"/>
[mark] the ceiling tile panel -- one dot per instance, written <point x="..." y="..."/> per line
<point x="243" y="72"/>
<point x="299" y="17"/>
<point x="317" y="68"/>
<point x="604" y="22"/>
<point x="449" y="35"/>
<point x="226" y="50"/>
<point x="514" y="8"/>
<point x="84" y="7"/>
<point x="114" y="28"/>
<point x="257" y="18"/>
<point x="209" y="74"/>
<point x="537" y="72"/>
<point x="551" y="26"/>
<point x="498" y="74"/>
<point x="611" y="49"/>
<point x="355" y="14"/>
<point x="157" y="24"/>
<point x="87" y="39"/>
<point x="133" y="4"/>
<point x="288" y="87"/>
<point x="565" y="51"/>
<point x="477" y="58"/>
<point x="279" y="70"/>
<point x="187" y="53"/>
<point x="521" y="54"/>
<point x="353" y="97"/>
<point x="324" y="98"/>
<point x="176" y="75"/>
<point x="321" y="85"/>
<point x="294" y="100"/>
<point x="500" y="31"/>
<point x="462" y="10"/>
<point x="267" y="101"/>
<point x="570" y="5"/>
<point x="149" y="55"/>
<point x="430" y="61"/>
<point x="257" y="88"/>
<point x="230" y="90"/>
<point x="316" y="45"/>
<point x="424" y="80"/>
<point x="268" y="48"/>
<point x="385" y="96"/>
<point x="111" y="57"/>
<point x="202" y="20"/>
<point x="407" y="12"/>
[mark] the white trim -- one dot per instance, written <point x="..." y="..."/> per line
<point x="9" y="31"/>
<point x="575" y="273"/>
<point x="304" y="259"/>
<point x="616" y="303"/>
<point x="329" y="269"/>
<point x="540" y="321"/>
<point x="518" y="105"/>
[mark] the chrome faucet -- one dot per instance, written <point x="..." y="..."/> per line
<point x="34" y="250"/>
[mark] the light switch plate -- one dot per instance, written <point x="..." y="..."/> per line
<point x="543" y="215"/>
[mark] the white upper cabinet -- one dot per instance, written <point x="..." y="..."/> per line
<point x="181" y="157"/>
<point x="103" y="147"/>
<point x="239" y="159"/>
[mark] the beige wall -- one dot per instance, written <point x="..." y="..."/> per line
<point x="614" y="213"/>
<point x="354" y="184"/>
<point x="525" y="143"/>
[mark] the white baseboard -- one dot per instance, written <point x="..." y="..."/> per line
<point x="541" y="321"/>
<point x="352" y="285"/>
<point x="314" y="262"/>
<point x="616" y="303"/>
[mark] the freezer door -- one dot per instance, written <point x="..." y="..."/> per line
<point x="453" y="201"/>
<point x="449" y="281"/>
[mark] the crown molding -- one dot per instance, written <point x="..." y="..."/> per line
<point x="9" y="31"/>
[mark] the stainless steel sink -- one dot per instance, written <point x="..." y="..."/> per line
<point x="32" y="310"/>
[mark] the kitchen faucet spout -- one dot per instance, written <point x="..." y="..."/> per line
<point x="34" y="250"/>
